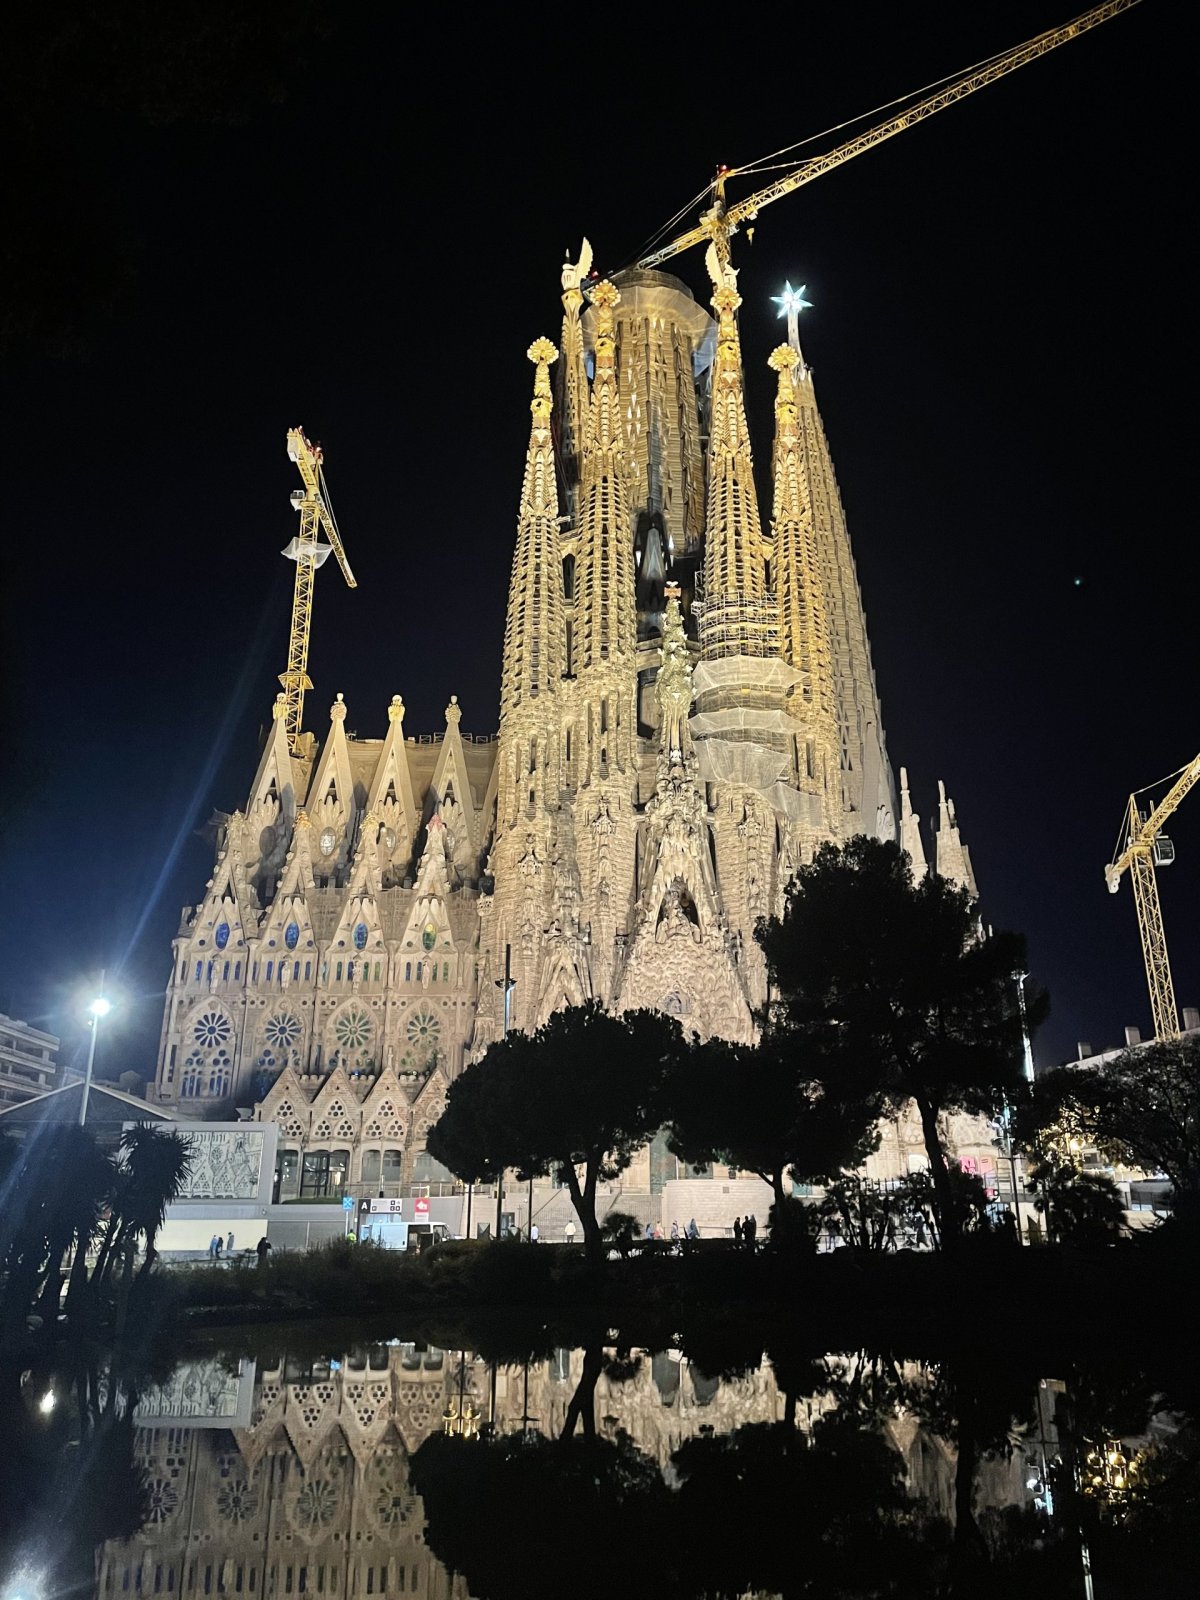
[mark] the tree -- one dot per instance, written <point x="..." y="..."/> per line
<point x="151" y="1173"/>
<point x="898" y="991"/>
<point x="1081" y="1208"/>
<point x="578" y="1098"/>
<point x="1141" y="1109"/>
<point x="757" y="1108"/>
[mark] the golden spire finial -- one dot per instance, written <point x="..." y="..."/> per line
<point x="606" y="297"/>
<point x="542" y="352"/>
<point x="784" y="359"/>
<point x="396" y="709"/>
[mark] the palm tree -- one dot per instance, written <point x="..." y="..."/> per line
<point x="154" y="1164"/>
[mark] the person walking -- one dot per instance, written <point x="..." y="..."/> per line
<point x="263" y="1249"/>
<point x="750" y="1230"/>
<point x="675" y="1236"/>
<point x="693" y="1232"/>
<point x="220" y="1244"/>
<point x="213" y="1245"/>
<point x="658" y="1231"/>
<point x="229" y="1243"/>
<point x="569" y="1232"/>
<point x="737" y="1233"/>
<point x="534" y="1233"/>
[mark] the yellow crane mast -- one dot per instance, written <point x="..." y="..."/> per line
<point x="307" y="551"/>
<point x="721" y="222"/>
<point x="1146" y="848"/>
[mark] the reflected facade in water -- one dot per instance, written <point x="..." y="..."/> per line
<point x="294" y="1478"/>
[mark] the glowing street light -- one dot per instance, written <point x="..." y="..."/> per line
<point x="791" y="303"/>
<point x="99" y="1009"/>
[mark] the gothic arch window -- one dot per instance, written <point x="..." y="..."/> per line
<point x="208" y="1065"/>
<point x="281" y="1036"/>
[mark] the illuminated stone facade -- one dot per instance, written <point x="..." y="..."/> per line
<point x="301" y="1483"/>
<point x="688" y="710"/>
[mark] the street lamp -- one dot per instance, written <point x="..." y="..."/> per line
<point x="508" y="983"/>
<point x="99" y="1009"/>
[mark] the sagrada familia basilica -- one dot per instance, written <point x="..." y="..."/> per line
<point x="688" y="711"/>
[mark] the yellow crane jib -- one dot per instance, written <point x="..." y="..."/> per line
<point x="308" y="552"/>
<point x="1146" y="847"/>
<point x="722" y="221"/>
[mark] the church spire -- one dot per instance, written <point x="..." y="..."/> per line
<point x="533" y="630"/>
<point x="910" y="831"/>
<point x="735" y="619"/>
<point x="605" y="580"/>
<point x="866" y="779"/>
<point x="953" y="860"/>
<point x="673" y="692"/>
<point x="803" y="609"/>
<point x="573" y="372"/>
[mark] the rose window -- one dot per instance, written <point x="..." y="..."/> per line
<point x="282" y="1031"/>
<point x="163" y="1498"/>
<point x="315" y="1505"/>
<point x="423" y="1027"/>
<point x="212" y="1029"/>
<point x="353" y="1028"/>
<point x="237" y="1501"/>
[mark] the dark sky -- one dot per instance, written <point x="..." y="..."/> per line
<point x="221" y="225"/>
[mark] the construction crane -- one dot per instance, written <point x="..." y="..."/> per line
<point x="722" y="221"/>
<point x="307" y="551"/>
<point x="1146" y="847"/>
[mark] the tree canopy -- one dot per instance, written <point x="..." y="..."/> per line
<point x="1141" y="1109"/>
<point x="578" y="1099"/>
<point x="758" y="1108"/>
<point x="898" y="990"/>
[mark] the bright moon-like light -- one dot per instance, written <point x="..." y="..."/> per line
<point x="791" y="300"/>
<point x="100" y="1007"/>
<point x="47" y="1402"/>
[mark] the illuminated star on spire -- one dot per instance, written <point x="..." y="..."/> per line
<point x="791" y="303"/>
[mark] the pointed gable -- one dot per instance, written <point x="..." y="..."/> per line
<point x="287" y="928"/>
<point x="221" y="927"/>
<point x="451" y="791"/>
<point x="286" y="1104"/>
<point x="428" y="928"/>
<point x="273" y="801"/>
<point x="331" y="802"/>
<point x="391" y="801"/>
<point x="385" y="1109"/>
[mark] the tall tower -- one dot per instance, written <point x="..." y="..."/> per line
<point x="867" y="784"/>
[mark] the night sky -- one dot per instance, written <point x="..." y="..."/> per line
<point x="222" y="225"/>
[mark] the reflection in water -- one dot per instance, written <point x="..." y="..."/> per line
<point x="290" y="1477"/>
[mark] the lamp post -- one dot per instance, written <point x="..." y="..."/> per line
<point x="99" y="1008"/>
<point x="508" y="983"/>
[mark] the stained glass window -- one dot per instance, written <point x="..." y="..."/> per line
<point x="291" y="936"/>
<point x="423" y="1027"/>
<point x="222" y="935"/>
<point x="360" y="936"/>
<point x="429" y="937"/>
